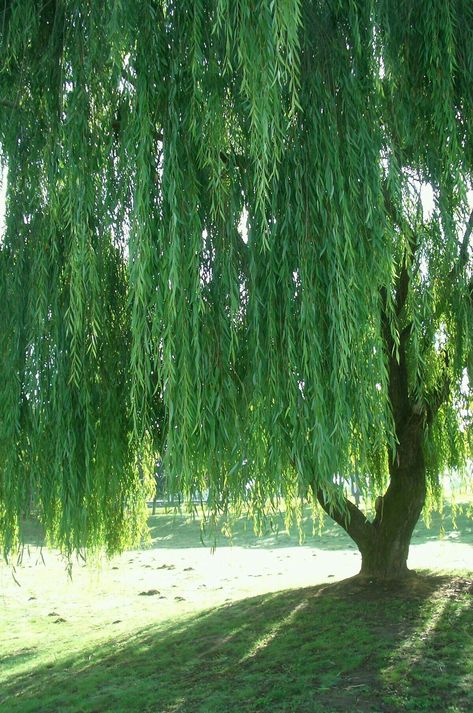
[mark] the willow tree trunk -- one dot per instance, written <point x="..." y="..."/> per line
<point x="384" y="544"/>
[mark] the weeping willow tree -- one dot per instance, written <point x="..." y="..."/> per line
<point x="217" y="248"/>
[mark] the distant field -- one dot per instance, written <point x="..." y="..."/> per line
<point x="260" y="625"/>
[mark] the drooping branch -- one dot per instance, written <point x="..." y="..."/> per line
<point x="412" y="237"/>
<point x="463" y="255"/>
<point x="402" y="286"/>
<point x="385" y="325"/>
<point x="441" y="393"/>
<point x="461" y="263"/>
<point x="346" y="514"/>
<point x="8" y="104"/>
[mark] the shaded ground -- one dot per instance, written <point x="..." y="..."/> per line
<point x="248" y="629"/>
<point x="324" y="649"/>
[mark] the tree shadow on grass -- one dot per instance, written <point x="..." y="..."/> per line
<point x="325" y="649"/>
<point x="436" y="665"/>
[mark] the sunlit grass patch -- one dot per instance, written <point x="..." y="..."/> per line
<point x="239" y="631"/>
<point x="318" y="649"/>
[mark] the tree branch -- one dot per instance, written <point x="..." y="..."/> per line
<point x="440" y="394"/>
<point x="402" y="286"/>
<point x="385" y="324"/>
<point x="10" y="104"/>
<point x="412" y="237"/>
<point x="347" y="515"/>
<point x="463" y="256"/>
<point x="458" y="266"/>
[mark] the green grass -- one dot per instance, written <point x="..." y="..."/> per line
<point x="239" y="631"/>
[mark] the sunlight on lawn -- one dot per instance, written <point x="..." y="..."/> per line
<point x="46" y="616"/>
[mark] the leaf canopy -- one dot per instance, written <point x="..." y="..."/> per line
<point x="211" y="209"/>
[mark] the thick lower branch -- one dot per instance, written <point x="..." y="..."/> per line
<point x="347" y="515"/>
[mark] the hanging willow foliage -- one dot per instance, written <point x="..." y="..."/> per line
<point x="213" y="211"/>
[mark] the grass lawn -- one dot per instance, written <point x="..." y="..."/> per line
<point x="263" y="625"/>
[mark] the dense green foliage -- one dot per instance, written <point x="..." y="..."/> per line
<point x="136" y="313"/>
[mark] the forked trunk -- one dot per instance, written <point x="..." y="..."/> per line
<point x="385" y="546"/>
<point x="384" y="542"/>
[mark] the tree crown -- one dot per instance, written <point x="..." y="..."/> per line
<point x="139" y="316"/>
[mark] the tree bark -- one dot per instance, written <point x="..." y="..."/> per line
<point x="384" y="542"/>
<point x="385" y="550"/>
